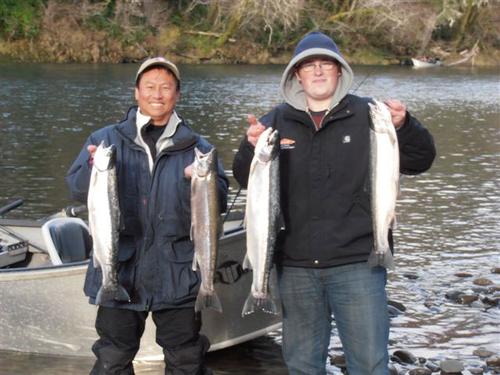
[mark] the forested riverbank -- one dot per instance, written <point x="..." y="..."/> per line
<point x="246" y="31"/>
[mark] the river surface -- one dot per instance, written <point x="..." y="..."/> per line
<point x="448" y="218"/>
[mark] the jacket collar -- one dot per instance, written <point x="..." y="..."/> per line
<point x="340" y="111"/>
<point x="176" y="137"/>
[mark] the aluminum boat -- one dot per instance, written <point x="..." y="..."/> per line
<point x="43" y="308"/>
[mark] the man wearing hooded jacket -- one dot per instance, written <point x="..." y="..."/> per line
<point x="324" y="174"/>
<point x="154" y="153"/>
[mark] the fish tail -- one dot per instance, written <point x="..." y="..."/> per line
<point x="247" y="265"/>
<point x="119" y="294"/>
<point x="385" y="259"/>
<point x="207" y="300"/>
<point x="266" y="304"/>
<point x="194" y="267"/>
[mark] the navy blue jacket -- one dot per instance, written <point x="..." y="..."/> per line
<point x="155" y="251"/>
<point x="324" y="177"/>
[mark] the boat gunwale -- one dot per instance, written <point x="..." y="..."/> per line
<point x="65" y="269"/>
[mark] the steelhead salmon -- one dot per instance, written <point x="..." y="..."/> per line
<point x="384" y="182"/>
<point x="104" y="222"/>
<point x="205" y="226"/>
<point x="262" y="220"/>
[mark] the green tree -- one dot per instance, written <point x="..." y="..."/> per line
<point x="20" y="18"/>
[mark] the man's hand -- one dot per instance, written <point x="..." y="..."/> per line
<point x="398" y="112"/>
<point x="188" y="171"/>
<point x="254" y="130"/>
<point x="91" y="149"/>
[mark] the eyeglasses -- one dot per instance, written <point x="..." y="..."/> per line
<point x="323" y="65"/>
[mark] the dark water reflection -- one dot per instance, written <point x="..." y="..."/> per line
<point x="260" y="356"/>
<point x="449" y="218"/>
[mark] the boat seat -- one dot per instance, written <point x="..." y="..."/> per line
<point x="67" y="239"/>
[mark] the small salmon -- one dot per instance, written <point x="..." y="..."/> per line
<point x="104" y="222"/>
<point x="384" y="181"/>
<point x="205" y="226"/>
<point x="262" y="219"/>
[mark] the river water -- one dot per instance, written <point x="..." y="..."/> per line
<point x="448" y="218"/>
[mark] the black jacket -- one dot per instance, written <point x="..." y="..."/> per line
<point x="325" y="195"/>
<point x="155" y="251"/>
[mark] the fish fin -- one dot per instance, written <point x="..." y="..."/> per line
<point x="249" y="306"/>
<point x="195" y="263"/>
<point x="110" y="295"/>
<point x="121" y="294"/>
<point x="95" y="261"/>
<point x="386" y="259"/>
<point x="207" y="300"/>
<point x="267" y="304"/>
<point x="394" y="222"/>
<point x="247" y="265"/>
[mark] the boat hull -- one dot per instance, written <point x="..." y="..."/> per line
<point x="44" y="310"/>
<point x="419" y="64"/>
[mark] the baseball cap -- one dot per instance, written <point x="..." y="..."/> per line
<point x="158" y="61"/>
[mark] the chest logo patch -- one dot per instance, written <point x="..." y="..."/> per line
<point x="287" y="144"/>
<point x="346" y="139"/>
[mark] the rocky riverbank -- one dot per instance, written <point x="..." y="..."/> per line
<point x="477" y="292"/>
<point x="244" y="32"/>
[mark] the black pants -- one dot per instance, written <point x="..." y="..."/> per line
<point x="177" y="332"/>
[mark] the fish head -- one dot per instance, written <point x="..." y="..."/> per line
<point x="267" y="146"/>
<point x="204" y="163"/>
<point x="104" y="157"/>
<point x="380" y="116"/>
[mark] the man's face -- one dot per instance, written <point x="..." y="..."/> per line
<point x="157" y="95"/>
<point x="318" y="77"/>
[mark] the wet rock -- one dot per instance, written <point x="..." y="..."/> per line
<point x="463" y="274"/>
<point x="432" y="366"/>
<point x="494" y="288"/>
<point x="493" y="361"/>
<point x="467" y="299"/>
<point x="431" y="305"/>
<point x="482" y="353"/>
<point x="490" y="301"/>
<point x="404" y="356"/>
<point x="451" y="366"/>
<point x="453" y="295"/>
<point x="411" y="276"/>
<point x="393" y="312"/>
<point x="420" y="371"/>
<point x="397" y="305"/>
<point x="482" y="281"/>
<point x="476" y="370"/>
<point x="461" y="297"/>
<point x="495" y="270"/>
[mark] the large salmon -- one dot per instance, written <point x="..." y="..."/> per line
<point x="205" y="226"/>
<point x="262" y="218"/>
<point x="384" y="182"/>
<point x="104" y="221"/>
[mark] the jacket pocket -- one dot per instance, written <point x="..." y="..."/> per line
<point x="127" y="262"/>
<point x="178" y="281"/>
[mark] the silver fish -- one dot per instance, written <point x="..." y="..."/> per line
<point x="104" y="221"/>
<point x="205" y="226"/>
<point x="262" y="218"/>
<point x="384" y="181"/>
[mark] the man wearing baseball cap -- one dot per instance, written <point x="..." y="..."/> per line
<point x="154" y="153"/>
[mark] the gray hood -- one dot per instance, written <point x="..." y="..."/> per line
<point x="314" y="44"/>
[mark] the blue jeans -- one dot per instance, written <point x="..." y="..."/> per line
<point x="356" y="296"/>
